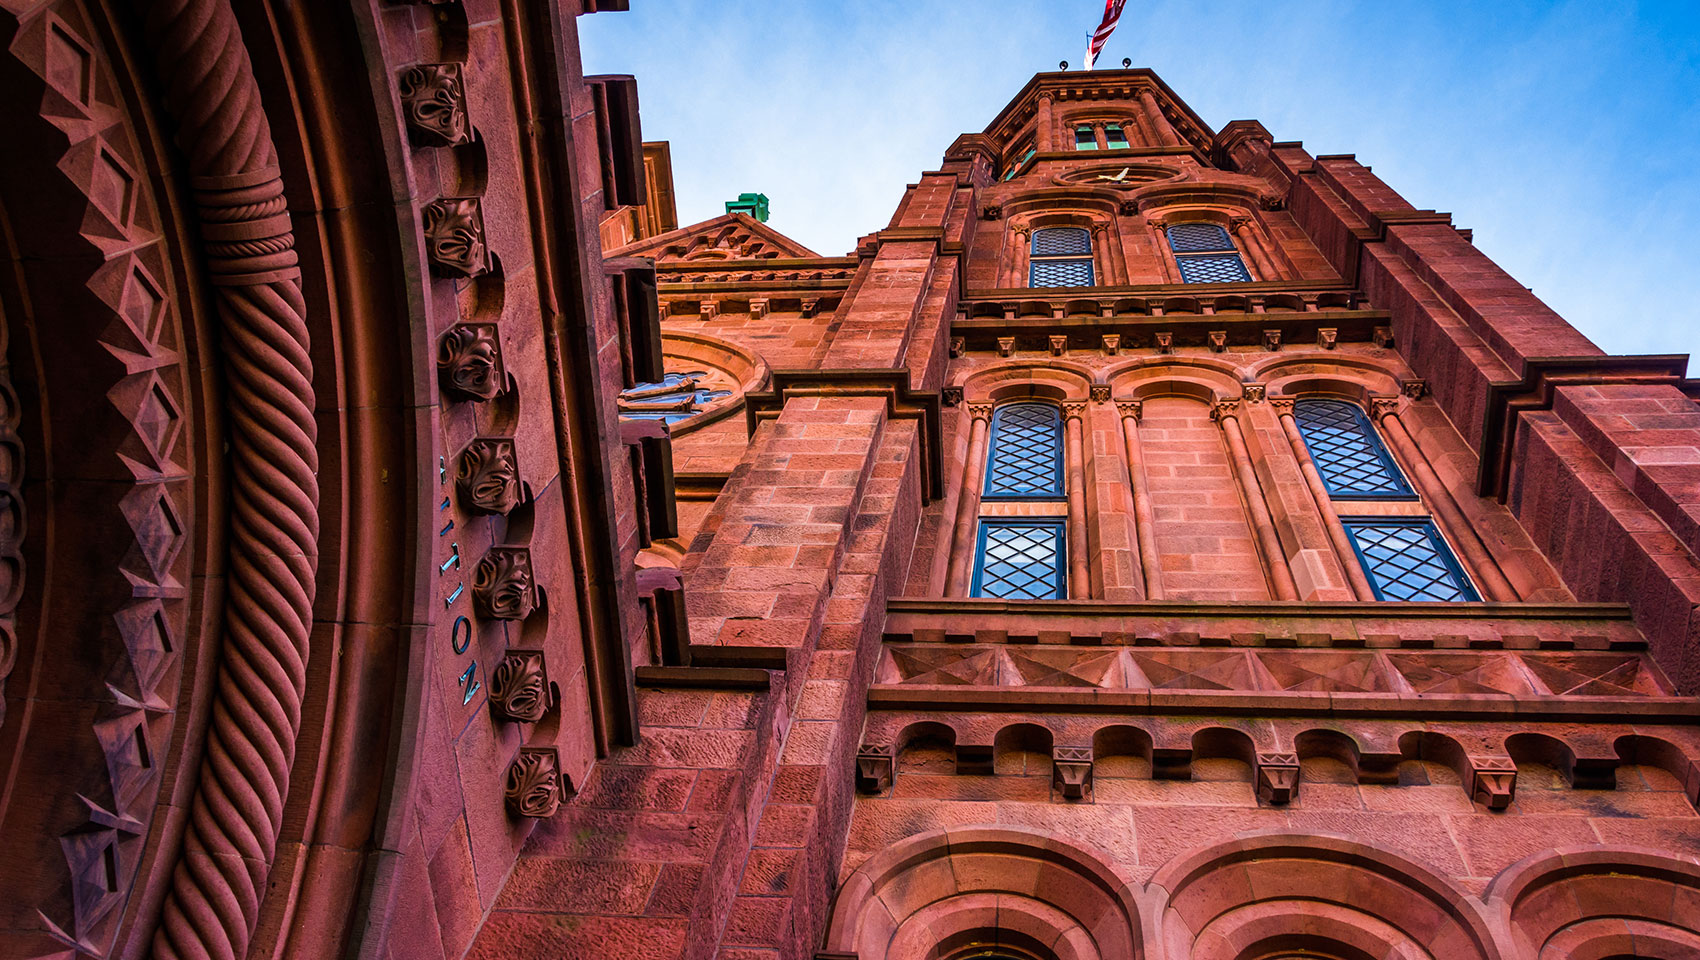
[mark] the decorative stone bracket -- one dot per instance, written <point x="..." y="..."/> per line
<point x="433" y="98"/>
<point x="454" y="237"/>
<point x="1493" y="781"/>
<point x="1071" y="772"/>
<point x="875" y="769"/>
<point x="1277" y="777"/>
<point x="469" y="362"/>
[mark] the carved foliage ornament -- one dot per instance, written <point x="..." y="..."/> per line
<point x="501" y="585"/>
<point x="434" y="101"/>
<point x="487" y="476"/>
<point x="454" y="236"/>
<point x="469" y="362"/>
<point x="533" y="787"/>
<point x="519" y="687"/>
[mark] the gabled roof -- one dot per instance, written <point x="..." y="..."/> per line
<point x="731" y="236"/>
<point x="1077" y="85"/>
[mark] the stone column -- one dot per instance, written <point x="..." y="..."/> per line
<point x="1079" y="576"/>
<point x="1337" y="534"/>
<point x="1150" y="563"/>
<point x="1023" y="254"/>
<point x="1160" y="243"/>
<point x="1165" y="132"/>
<point x="1045" y="134"/>
<point x="1104" y="255"/>
<point x="1439" y="499"/>
<point x="1227" y="413"/>
<point x="960" y="572"/>
<point x="1252" y="244"/>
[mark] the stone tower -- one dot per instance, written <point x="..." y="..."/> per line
<point x="1156" y="542"/>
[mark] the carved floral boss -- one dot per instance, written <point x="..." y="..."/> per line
<point x="433" y="98"/>
<point x="469" y="362"/>
<point x="454" y="236"/>
<point x="487" y="476"/>
<point x="502" y="587"/>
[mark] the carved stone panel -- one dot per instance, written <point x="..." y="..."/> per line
<point x="487" y="476"/>
<point x="434" y="101"/>
<point x="502" y="588"/>
<point x="454" y="236"/>
<point x="519" y="687"/>
<point x="533" y="787"/>
<point x="469" y="362"/>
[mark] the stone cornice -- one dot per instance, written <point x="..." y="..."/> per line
<point x="902" y="403"/>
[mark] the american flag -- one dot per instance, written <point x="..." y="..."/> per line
<point x="1112" y="13"/>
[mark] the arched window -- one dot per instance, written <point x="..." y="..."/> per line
<point x="1404" y="557"/>
<point x="1060" y="257"/>
<point x="1206" y="254"/>
<point x="1023" y="558"/>
<point x="1084" y="138"/>
<point x="1016" y="166"/>
<point x="1347" y="452"/>
<point x="675" y="397"/>
<point x="1114" y="137"/>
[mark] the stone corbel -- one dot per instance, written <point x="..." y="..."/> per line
<point x="469" y="362"/>
<point x="709" y="309"/>
<point x="533" y="789"/>
<point x="502" y="588"/>
<point x="1413" y="388"/>
<point x="810" y="305"/>
<point x="1112" y="344"/>
<point x="487" y="476"/>
<point x="1254" y="392"/>
<point x="1164" y="341"/>
<point x="1277" y="777"/>
<point x="958" y="347"/>
<point x="1100" y="393"/>
<point x="875" y="769"/>
<point x="1071" y="772"/>
<point x="1327" y="337"/>
<point x="759" y="307"/>
<point x="433" y="99"/>
<point x="951" y="396"/>
<point x="1128" y="208"/>
<point x="1059" y="344"/>
<point x="991" y="211"/>
<point x="1272" y="340"/>
<point x="1493" y="781"/>
<point x="1218" y="340"/>
<point x="1006" y="346"/>
<point x="1382" y="337"/>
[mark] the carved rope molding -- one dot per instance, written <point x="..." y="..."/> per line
<point x="228" y="848"/>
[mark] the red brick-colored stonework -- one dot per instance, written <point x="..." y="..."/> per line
<point x="354" y="603"/>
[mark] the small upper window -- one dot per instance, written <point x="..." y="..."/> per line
<point x="1061" y="257"/>
<point x="1351" y="459"/>
<point x="1114" y="136"/>
<point x="1025" y="460"/>
<point x="1017" y="166"/>
<point x="1206" y="254"/>
<point x="675" y="397"/>
<point x="1084" y="138"/>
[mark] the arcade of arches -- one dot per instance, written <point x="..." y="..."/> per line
<point x="1155" y="542"/>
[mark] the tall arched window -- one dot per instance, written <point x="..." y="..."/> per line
<point x="1404" y="556"/>
<point x="1060" y="257"/>
<point x="1206" y="254"/>
<point x="1114" y="137"/>
<point x="1084" y="138"/>
<point x="1026" y="557"/>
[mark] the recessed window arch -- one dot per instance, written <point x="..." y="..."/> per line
<point x="1025" y="460"/>
<point x="1060" y="257"/>
<point x="1206" y="254"/>
<point x="1348" y="453"/>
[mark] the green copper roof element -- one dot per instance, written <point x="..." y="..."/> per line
<point x="753" y="204"/>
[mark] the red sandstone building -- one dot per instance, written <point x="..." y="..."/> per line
<point x="1155" y="542"/>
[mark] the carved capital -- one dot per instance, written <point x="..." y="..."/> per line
<point x="1327" y="337"/>
<point x="454" y="236"/>
<point x="1254" y="392"/>
<point x="1165" y="341"/>
<point x="991" y="211"/>
<point x="1112" y="344"/>
<point x="1059" y="344"/>
<point x="875" y="769"/>
<point x="1071" y="771"/>
<point x="1283" y="406"/>
<point x="958" y="346"/>
<point x="951" y="396"/>
<point x="1413" y="388"/>
<point x="1271" y="340"/>
<point x="1277" y="777"/>
<point x="1128" y="208"/>
<point x="1223" y="409"/>
<point x="1239" y="223"/>
<point x="1493" y="781"/>
<point x="533" y="787"/>
<point x="980" y="411"/>
<point x="1218" y="340"/>
<point x="1074" y="410"/>
<point x="1100" y="393"/>
<point x="469" y="362"/>
<point x="434" y="101"/>
<point x="502" y="588"/>
<point x="1380" y="407"/>
<point x="1131" y="408"/>
<point x="1006" y="346"/>
<point x="519" y="687"/>
<point x="487" y="476"/>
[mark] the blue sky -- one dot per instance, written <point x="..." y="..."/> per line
<point x="1566" y="135"/>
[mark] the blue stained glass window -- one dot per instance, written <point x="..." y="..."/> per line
<point x="1347" y="453"/>
<point x="675" y="397"/>
<point x="1021" y="560"/>
<point x="1016" y="167"/>
<point x="1206" y="254"/>
<point x="1406" y="559"/>
<point x="1061" y="257"/>
<point x="1025" y="460"/>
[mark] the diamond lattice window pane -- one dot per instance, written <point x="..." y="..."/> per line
<point x="1020" y="561"/>
<point x="1026" y="452"/>
<point x="1060" y="273"/>
<point x="1198" y="238"/>
<point x="1407" y="560"/>
<point x="1061" y="241"/>
<point x="1346" y="450"/>
<point x="1215" y="268"/>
